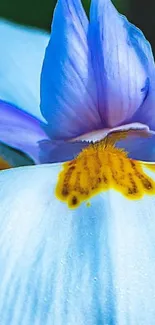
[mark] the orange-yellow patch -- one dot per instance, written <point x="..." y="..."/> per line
<point x="4" y="164"/>
<point x="101" y="167"/>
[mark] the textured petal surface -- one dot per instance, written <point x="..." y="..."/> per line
<point x="120" y="54"/>
<point x="58" y="266"/>
<point x="21" y="57"/>
<point x="20" y="130"/>
<point x="68" y="91"/>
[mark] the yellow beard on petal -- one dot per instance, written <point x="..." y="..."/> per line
<point x="4" y="164"/>
<point x="101" y="167"/>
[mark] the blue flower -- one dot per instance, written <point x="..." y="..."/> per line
<point x="96" y="76"/>
<point x="77" y="239"/>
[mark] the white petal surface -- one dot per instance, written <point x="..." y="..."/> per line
<point x="92" y="265"/>
<point x="21" y="57"/>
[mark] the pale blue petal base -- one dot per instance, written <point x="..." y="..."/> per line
<point x="94" y="265"/>
<point x="21" y="57"/>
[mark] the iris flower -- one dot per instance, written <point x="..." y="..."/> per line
<point x="77" y="241"/>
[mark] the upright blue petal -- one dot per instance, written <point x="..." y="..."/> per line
<point x="68" y="91"/>
<point x="121" y="58"/>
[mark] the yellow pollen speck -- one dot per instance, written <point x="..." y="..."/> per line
<point x="4" y="164"/>
<point x="101" y="167"/>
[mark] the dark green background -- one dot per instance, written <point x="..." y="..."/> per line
<point x="39" y="12"/>
<point x="36" y="12"/>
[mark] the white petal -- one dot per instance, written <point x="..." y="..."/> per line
<point x="92" y="265"/>
<point x="21" y="57"/>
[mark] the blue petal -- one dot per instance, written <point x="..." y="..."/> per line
<point x="121" y="58"/>
<point x="60" y="151"/>
<point x="21" y="131"/>
<point x="146" y="113"/>
<point x="139" y="144"/>
<point x="68" y="91"/>
<point x="59" y="266"/>
<point x="21" y="57"/>
<point x="139" y="148"/>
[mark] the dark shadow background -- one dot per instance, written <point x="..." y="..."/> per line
<point x="39" y="12"/>
<point x="142" y="14"/>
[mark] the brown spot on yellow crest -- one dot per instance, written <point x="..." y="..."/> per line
<point x="101" y="167"/>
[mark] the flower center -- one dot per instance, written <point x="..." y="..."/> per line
<point x="101" y="167"/>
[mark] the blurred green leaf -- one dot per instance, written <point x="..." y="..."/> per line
<point x="30" y="12"/>
<point x="120" y="4"/>
<point x="37" y="12"/>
